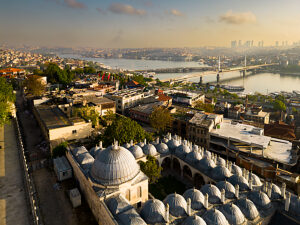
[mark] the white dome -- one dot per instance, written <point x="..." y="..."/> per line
<point x="215" y="217"/>
<point x="114" y="166"/>
<point x="197" y="198"/>
<point x="172" y="144"/>
<point x="206" y="164"/>
<point x="240" y="180"/>
<point x="236" y="170"/>
<point x="260" y="199"/>
<point x="233" y="214"/>
<point x="162" y="148"/>
<point x="182" y="150"/>
<point x="220" y="173"/>
<point x="248" y="208"/>
<point x="193" y="157"/>
<point x="194" y="220"/>
<point x="214" y="194"/>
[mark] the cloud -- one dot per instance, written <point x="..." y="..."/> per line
<point x="74" y="4"/>
<point x="70" y="3"/>
<point x="238" y="18"/>
<point x="120" y="8"/>
<point x="175" y="12"/>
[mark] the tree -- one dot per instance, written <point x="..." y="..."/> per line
<point x="35" y="86"/>
<point x="59" y="150"/>
<point x="124" y="130"/>
<point x="160" y="119"/>
<point x="89" y="113"/>
<point x="89" y="70"/>
<point x="151" y="169"/>
<point x="278" y="105"/>
<point x="7" y="97"/>
<point x="204" y="107"/>
<point x="56" y="75"/>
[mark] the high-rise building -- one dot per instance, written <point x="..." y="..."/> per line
<point x="276" y="43"/>
<point x="240" y="43"/>
<point x="233" y="44"/>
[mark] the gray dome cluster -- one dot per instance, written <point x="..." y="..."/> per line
<point x="215" y="217"/>
<point x="228" y="187"/>
<point x="214" y="194"/>
<point x="233" y="214"/>
<point x="248" y="208"/>
<point x="114" y="165"/>
<point x="153" y="211"/>
<point x="194" y="220"/>
<point x="177" y="204"/>
<point x="193" y="157"/>
<point x="197" y="198"/>
<point x="206" y="164"/>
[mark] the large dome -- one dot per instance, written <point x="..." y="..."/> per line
<point x="228" y="187"/>
<point x="114" y="165"/>
<point x="240" y="180"/>
<point x="153" y="211"/>
<point x="136" y="151"/>
<point x="162" y="148"/>
<point x="236" y="170"/>
<point x="149" y="149"/>
<point x="260" y="199"/>
<point x="220" y="173"/>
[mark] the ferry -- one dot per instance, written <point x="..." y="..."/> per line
<point x="233" y="88"/>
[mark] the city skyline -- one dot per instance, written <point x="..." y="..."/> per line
<point x="143" y="23"/>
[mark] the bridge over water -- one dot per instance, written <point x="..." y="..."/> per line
<point x="217" y="72"/>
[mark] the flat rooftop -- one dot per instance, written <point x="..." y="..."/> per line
<point x="53" y="117"/>
<point x="272" y="148"/>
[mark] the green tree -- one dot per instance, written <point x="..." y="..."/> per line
<point x="151" y="169"/>
<point x="160" y="119"/>
<point x="89" y="70"/>
<point x="124" y="130"/>
<point x="60" y="150"/>
<point x="278" y="105"/>
<point x="204" y="107"/>
<point x="34" y="86"/>
<point x="88" y="113"/>
<point x="7" y="97"/>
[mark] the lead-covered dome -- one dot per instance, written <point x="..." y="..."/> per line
<point x="206" y="164"/>
<point x="248" y="208"/>
<point x="260" y="199"/>
<point x="182" y="150"/>
<point x="113" y="166"/>
<point x="193" y="156"/>
<point x="236" y="170"/>
<point x="153" y="211"/>
<point x="194" y="220"/>
<point x="240" y="180"/>
<point x="214" y="194"/>
<point x="220" y="162"/>
<point x="228" y="187"/>
<point x="136" y="151"/>
<point x="162" y="148"/>
<point x="276" y="192"/>
<point x="215" y="217"/>
<point x="197" y="198"/>
<point x="149" y="149"/>
<point x="177" y="204"/>
<point x="173" y="144"/>
<point x="254" y="179"/>
<point x="233" y="214"/>
<point x="220" y="173"/>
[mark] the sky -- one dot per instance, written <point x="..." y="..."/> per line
<point x="147" y="23"/>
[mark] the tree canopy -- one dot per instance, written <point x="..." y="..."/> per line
<point x="6" y="98"/>
<point x="59" y="150"/>
<point x="34" y="86"/>
<point x="160" y="119"/>
<point x="56" y="75"/>
<point x="204" y="107"/>
<point x="151" y="169"/>
<point x="124" y="130"/>
<point x="278" y="105"/>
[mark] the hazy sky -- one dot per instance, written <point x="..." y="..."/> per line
<point x="148" y="23"/>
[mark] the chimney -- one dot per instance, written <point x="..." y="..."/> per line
<point x="250" y="183"/>
<point x="230" y="166"/>
<point x="206" y="201"/>
<point x="189" y="207"/>
<point x="100" y="144"/>
<point x="157" y="140"/>
<point x="167" y="213"/>
<point x="237" y="191"/>
<point x="131" y="142"/>
<point x="247" y="175"/>
<point x="145" y="141"/>
<point x="287" y="202"/>
<point x="223" y="196"/>
<point x="283" y="189"/>
<point x="270" y="190"/>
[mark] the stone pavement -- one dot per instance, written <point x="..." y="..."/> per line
<point x="13" y="205"/>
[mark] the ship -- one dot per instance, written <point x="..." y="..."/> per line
<point x="233" y="88"/>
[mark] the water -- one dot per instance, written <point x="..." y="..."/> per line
<point x="262" y="82"/>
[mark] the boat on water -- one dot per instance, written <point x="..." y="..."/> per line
<point x="233" y="88"/>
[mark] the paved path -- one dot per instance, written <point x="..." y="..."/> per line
<point x="13" y="206"/>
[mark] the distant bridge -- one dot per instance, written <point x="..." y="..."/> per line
<point x="217" y="72"/>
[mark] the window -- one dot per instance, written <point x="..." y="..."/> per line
<point x="139" y="192"/>
<point x="74" y="131"/>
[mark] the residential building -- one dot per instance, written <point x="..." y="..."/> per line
<point x="186" y="98"/>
